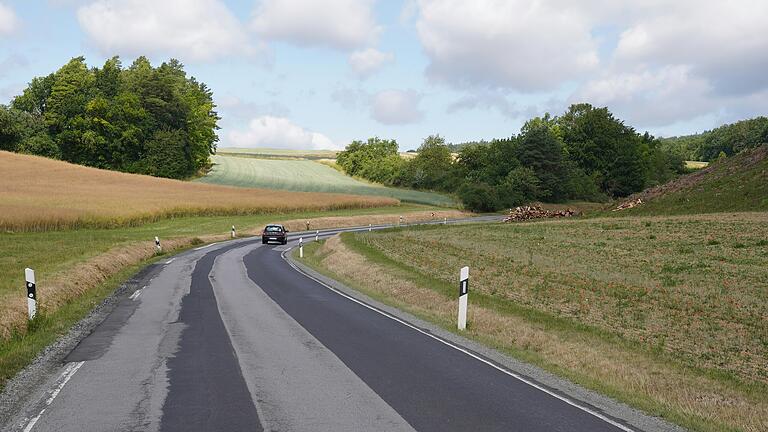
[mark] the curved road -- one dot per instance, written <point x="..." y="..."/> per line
<point x="232" y="337"/>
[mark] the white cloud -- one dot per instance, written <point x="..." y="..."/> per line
<point x="340" y="24"/>
<point x="279" y="132"/>
<point x="675" y="62"/>
<point x="650" y="97"/>
<point x="396" y="107"/>
<point x="197" y="30"/>
<point x="723" y="42"/>
<point x="8" y="20"/>
<point x="515" y="44"/>
<point x="369" y="61"/>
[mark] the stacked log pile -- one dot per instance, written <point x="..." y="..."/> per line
<point x="536" y="212"/>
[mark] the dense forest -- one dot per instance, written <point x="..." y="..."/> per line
<point x="586" y="153"/>
<point x="140" y="119"/>
<point x="726" y="140"/>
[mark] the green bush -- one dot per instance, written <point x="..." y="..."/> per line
<point x="479" y="197"/>
<point x="521" y="186"/>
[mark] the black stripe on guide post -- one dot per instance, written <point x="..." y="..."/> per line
<point x="31" y="291"/>
<point x="463" y="287"/>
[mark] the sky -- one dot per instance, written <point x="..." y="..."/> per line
<point x="312" y="74"/>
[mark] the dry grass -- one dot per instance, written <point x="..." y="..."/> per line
<point x="38" y="194"/>
<point x="693" y="287"/>
<point x="645" y="380"/>
<point x="63" y="287"/>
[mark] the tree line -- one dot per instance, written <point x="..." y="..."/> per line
<point x="585" y="154"/>
<point x="723" y="141"/>
<point x="141" y="119"/>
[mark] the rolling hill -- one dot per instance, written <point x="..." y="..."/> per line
<point x="738" y="183"/>
<point x="39" y="193"/>
<point x="306" y="176"/>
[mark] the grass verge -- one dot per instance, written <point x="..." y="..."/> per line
<point x="652" y="379"/>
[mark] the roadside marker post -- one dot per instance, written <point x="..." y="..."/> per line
<point x="463" y="292"/>
<point x="157" y="245"/>
<point x="317" y="235"/>
<point x="445" y="221"/>
<point x="401" y="221"/>
<point x="29" y="275"/>
<point x="369" y="227"/>
<point x="301" y="247"/>
<point x="234" y="234"/>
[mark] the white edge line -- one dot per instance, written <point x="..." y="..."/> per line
<point x="206" y="246"/>
<point x="68" y="373"/>
<point x="463" y="350"/>
<point x="170" y="261"/>
<point x="136" y="294"/>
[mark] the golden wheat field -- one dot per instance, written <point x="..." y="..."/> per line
<point x="38" y="194"/>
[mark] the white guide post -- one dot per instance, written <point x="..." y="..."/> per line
<point x="157" y="245"/>
<point x="234" y="234"/>
<point x="317" y="235"/>
<point x="445" y="221"/>
<point x="29" y="275"/>
<point x="301" y="247"/>
<point x="463" y="292"/>
<point x="369" y="227"/>
<point x="401" y="221"/>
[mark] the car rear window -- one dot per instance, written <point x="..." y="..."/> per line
<point x="273" y="228"/>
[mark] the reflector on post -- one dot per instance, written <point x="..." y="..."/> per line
<point x="463" y="293"/>
<point x="29" y="275"/>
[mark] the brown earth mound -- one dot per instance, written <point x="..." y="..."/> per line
<point x="716" y="170"/>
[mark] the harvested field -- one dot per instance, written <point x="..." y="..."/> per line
<point x="665" y="313"/>
<point x="38" y="194"/>
<point x="691" y="287"/>
<point x="643" y="378"/>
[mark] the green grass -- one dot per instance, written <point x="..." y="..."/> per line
<point x="306" y="176"/>
<point x="680" y="296"/>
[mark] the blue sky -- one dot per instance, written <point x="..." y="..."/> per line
<point x="320" y="73"/>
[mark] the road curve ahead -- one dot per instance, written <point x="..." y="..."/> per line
<point x="232" y="337"/>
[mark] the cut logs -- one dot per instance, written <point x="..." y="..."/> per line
<point x="628" y="204"/>
<point x="536" y="212"/>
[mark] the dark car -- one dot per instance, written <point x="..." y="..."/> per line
<point x="274" y="233"/>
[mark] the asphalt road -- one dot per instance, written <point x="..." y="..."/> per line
<point x="232" y="337"/>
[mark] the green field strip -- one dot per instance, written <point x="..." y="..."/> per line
<point x="305" y="176"/>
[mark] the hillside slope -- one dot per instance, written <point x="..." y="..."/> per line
<point x="738" y="183"/>
<point x="306" y="176"/>
<point x="37" y="193"/>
